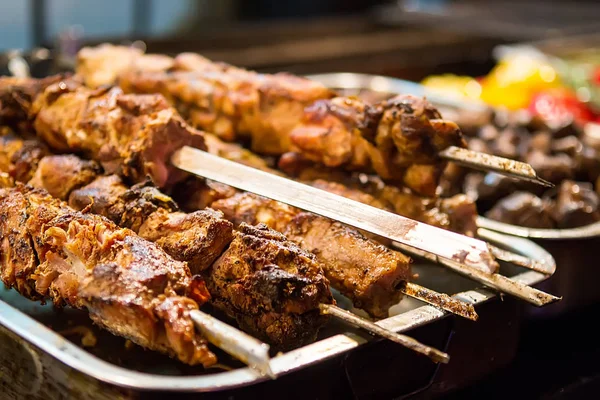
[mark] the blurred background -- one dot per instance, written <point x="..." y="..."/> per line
<point x="539" y="56"/>
<point x="398" y="38"/>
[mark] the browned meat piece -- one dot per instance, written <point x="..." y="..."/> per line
<point x="541" y="141"/>
<point x="511" y="143"/>
<point x="17" y="96"/>
<point x="102" y="196"/>
<point x="399" y="138"/>
<point x="60" y="175"/>
<point x="197" y="194"/>
<point x="102" y="65"/>
<point x="524" y="209"/>
<point x="132" y="135"/>
<point x="9" y="145"/>
<point x="576" y="205"/>
<point x="19" y="158"/>
<point x="128" y="285"/>
<point x="198" y="238"/>
<point x="24" y="161"/>
<point x="586" y="163"/>
<point x="270" y="286"/>
<point x="218" y="97"/>
<point x="361" y="269"/>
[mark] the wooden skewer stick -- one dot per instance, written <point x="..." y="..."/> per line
<point x="492" y="280"/>
<point x="240" y="345"/>
<point x="440" y="300"/>
<point x="406" y="341"/>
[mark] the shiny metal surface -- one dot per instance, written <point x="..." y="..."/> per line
<point x="490" y="163"/>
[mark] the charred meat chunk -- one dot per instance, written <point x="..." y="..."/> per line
<point x="127" y="284"/>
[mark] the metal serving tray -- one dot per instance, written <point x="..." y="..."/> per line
<point x="36" y="360"/>
<point x="41" y="352"/>
<point x="573" y="249"/>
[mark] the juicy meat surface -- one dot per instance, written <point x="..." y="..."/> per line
<point x="399" y="139"/>
<point x="132" y="135"/>
<point x="17" y="96"/>
<point x="272" y="287"/>
<point x="60" y="175"/>
<point x="128" y="285"/>
<point x="283" y="285"/>
<point x="228" y="101"/>
<point x="366" y="272"/>
<point x="197" y="238"/>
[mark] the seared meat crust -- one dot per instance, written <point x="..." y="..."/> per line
<point x="366" y="272"/>
<point x="128" y="285"/>
<point x="132" y="135"/>
<point x="283" y="285"/>
<point x="270" y="286"/>
<point x="399" y="139"/>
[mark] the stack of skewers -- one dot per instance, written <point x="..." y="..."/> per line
<point x="102" y="209"/>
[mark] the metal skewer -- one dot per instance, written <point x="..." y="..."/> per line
<point x="494" y="281"/>
<point x="406" y="341"/>
<point x="441" y="243"/>
<point x="488" y="162"/>
<point x="240" y="345"/>
<point x="440" y="300"/>
<point x="517" y="259"/>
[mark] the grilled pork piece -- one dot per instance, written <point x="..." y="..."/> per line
<point x="399" y="139"/>
<point x="366" y="272"/>
<point x="457" y="213"/>
<point x="132" y="135"/>
<point x="218" y="97"/>
<point x="128" y="285"/>
<point x="270" y="286"/>
<point x="198" y="237"/>
<point x="246" y="280"/>
<point x="17" y="96"/>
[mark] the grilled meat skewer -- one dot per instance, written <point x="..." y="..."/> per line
<point x="151" y="214"/>
<point x="56" y="127"/>
<point x="128" y="285"/>
<point x="399" y="139"/>
<point x="390" y="273"/>
<point x="255" y="275"/>
<point x="131" y="135"/>
<point x="457" y="213"/>
<point x="265" y="306"/>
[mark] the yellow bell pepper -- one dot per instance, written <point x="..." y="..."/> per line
<point x="515" y="80"/>
<point x="453" y="85"/>
<point x="512" y="83"/>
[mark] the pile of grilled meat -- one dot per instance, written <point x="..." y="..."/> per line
<point x="563" y="155"/>
<point x="94" y="216"/>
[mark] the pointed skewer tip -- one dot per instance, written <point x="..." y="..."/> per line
<point x="406" y="341"/>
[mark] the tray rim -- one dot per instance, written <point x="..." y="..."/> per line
<point x="79" y="359"/>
